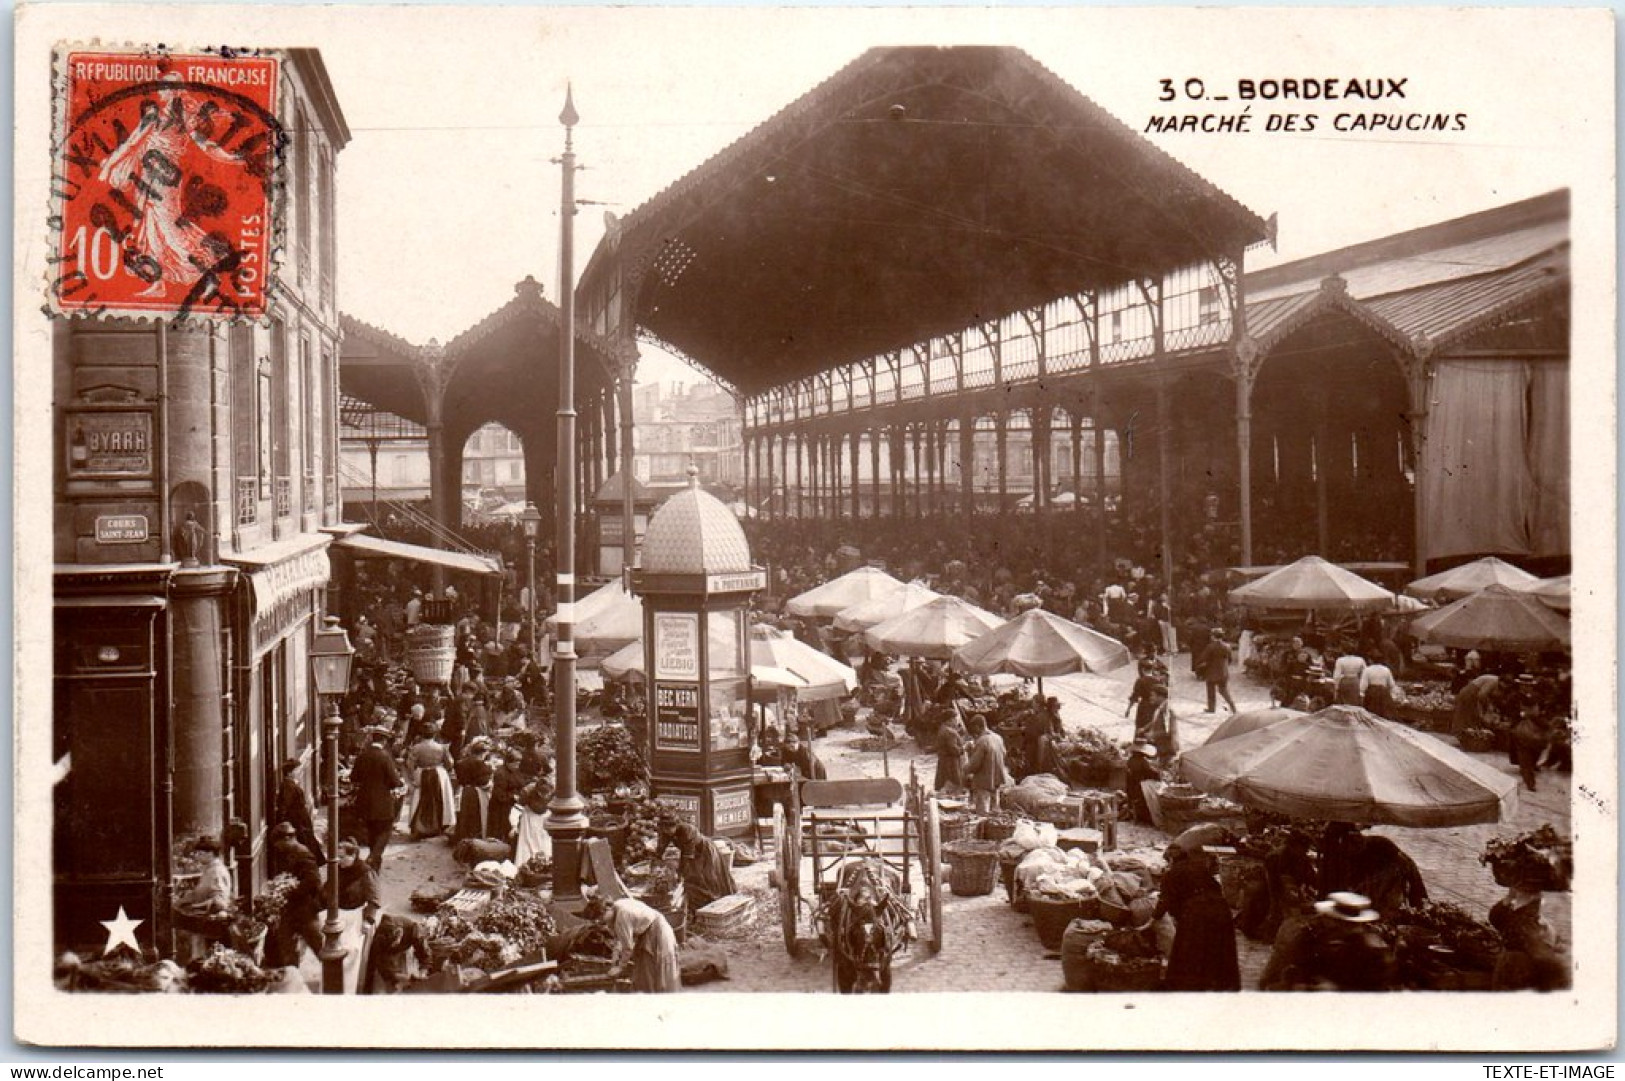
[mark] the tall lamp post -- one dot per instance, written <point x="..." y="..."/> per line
<point x="532" y="520"/>
<point x="330" y="657"/>
<point x="566" y="823"/>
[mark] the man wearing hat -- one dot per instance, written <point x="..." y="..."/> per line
<point x="301" y="917"/>
<point x="377" y="783"/>
<point x="1142" y="767"/>
<point x="293" y="807"/>
<point x="1529" y="736"/>
<point x="1160" y="730"/>
<point x="1334" y="948"/>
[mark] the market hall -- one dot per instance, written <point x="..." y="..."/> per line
<point x="1131" y="323"/>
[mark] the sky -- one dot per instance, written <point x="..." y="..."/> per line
<point x="448" y="192"/>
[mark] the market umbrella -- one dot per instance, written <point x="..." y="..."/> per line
<point x="1312" y="584"/>
<point x="1343" y="764"/>
<point x="1469" y="578"/>
<point x="605" y="620"/>
<point x="860" y="617"/>
<point x="1039" y="643"/>
<point x="1239" y="724"/>
<point x="932" y="630"/>
<point x="1494" y="618"/>
<point x="627" y="663"/>
<point x="824" y="676"/>
<point x="1552" y="592"/>
<point x="837" y="594"/>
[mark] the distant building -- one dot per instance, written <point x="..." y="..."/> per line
<point x="385" y="459"/>
<point x="681" y="425"/>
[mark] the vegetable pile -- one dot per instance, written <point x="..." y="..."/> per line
<point x="1457" y="931"/>
<point x="507" y="929"/>
<point x="607" y="758"/>
<point x="1542" y="859"/>
<point x="228" y="972"/>
<point x="1087" y="757"/>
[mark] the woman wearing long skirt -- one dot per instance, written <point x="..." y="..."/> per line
<point x="1203" y="955"/>
<point x="644" y="943"/>
<point x="474" y="774"/>
<point x="358" y="910"/>
<point x="432" y="800"/>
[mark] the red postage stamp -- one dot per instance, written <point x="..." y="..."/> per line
<point x="163" y="183"/>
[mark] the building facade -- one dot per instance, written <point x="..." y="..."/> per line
<point x="196" y="493"/>
<point x="679" y="425"/>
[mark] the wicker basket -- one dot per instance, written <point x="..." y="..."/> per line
<point x="1179" y="800"/>
<point x="973" y="867"/>
<point x="958" y="827"/>
<point x="613" y="829"/>
<point x="1114" y="913"/>
<point x="998" y="828"/>
<point x="431" y="653"/>
<point x="1051" y="915"/>
<point x="1012" y="886"/>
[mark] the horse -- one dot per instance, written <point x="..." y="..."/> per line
<point x="863" y="924"/>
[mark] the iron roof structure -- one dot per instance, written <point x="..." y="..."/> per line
<point x="916" y="192"/>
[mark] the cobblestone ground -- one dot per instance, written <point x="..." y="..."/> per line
<point x="987" y="944"/>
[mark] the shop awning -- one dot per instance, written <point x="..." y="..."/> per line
<point x="365" y="547"/>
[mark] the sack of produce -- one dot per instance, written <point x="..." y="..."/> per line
<point x="479" y="850"/>
<point x="428" y="899"/>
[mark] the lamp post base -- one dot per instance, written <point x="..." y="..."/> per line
<point x="568" y="829"/>
<point x="332" y="955"/>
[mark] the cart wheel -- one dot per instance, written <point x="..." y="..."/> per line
<point x="933" y="877"/>
<point x="787" y="862"/>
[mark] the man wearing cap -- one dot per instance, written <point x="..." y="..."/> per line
<point x="1333" y="949"/>
<point x="793" y="754"/>
<point x="985" y="771"/>
<point x="377" y="783"/>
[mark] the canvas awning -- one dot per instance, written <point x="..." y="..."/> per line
<point x="365" y="547"/>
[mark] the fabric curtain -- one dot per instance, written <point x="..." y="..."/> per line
<point x="1549" y="458"/>
<point x="1477" y="488"/>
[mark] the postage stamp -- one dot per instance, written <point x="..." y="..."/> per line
<point x="163" y="183"/>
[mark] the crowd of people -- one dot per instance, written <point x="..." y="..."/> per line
<point x="469" y="761"/>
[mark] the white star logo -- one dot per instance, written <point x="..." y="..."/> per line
<point x="121" y="932"/>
